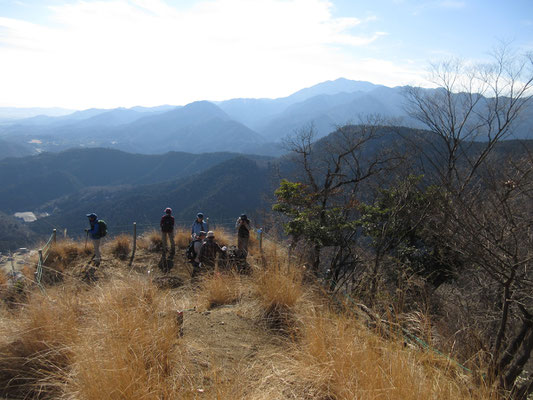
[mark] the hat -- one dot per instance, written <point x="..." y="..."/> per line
<point x="168" y="210"/>
<point x="201" y="233"/>
<point x="92" y="215"/>
<point x="210" y="234"/>
<point x="244" y="217"/>
<point x="199" y="215"/>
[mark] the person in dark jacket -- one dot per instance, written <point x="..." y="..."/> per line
<point x="95" y="236"/>
<point x="198" y="226"/>
<point x="167" y="231"/>
<point x="243" y="234"/>
<point x="209" y="251"/>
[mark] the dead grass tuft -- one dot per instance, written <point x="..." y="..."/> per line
<point x="182" y="239"/>
<point x="120" y="247"/>
<point x="39" y="344"/>
<point x="152" y="241"/>
<point x="278" y="290"/>
<point x="218" y="289"/>
<point x="62" y="256"/>
<point x="336" y="357"/>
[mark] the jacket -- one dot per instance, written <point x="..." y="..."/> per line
<point x="167" y="223"/>
<point x="243" y="228"/>
<point x="197" y="227"/>
<point x="208" y="252"/>
<point x="95" y="229"/>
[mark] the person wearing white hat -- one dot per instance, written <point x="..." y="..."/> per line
<point x="209" y="251"/>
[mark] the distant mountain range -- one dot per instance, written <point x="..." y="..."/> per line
<point x="124" y="187"/>
<point x="249" y="126"/>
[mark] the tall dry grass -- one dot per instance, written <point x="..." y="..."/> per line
<point x="336" y="357"/>
<point x="118" y="339"/>
<point x="218" y="289"/>
<point x="129" y="348"/>
<point x="120" y="247"/>
<point x="37" y="343"/>
<point x="278" y="289"/>
<point x="62" y="256"/>
<point x="182" y="238"/>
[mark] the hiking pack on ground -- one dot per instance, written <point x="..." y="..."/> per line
<point x="190" y="253"/>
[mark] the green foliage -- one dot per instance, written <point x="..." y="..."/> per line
<point x="308" y="218"/>
<point x="403" y="223"/>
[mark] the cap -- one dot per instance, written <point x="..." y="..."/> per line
<point x="201" y="233"/>
<point x="168" y="210"/>
<point x="244" y="217"/>
<point x="210" y="234"/>
<point x="92" y="215"/>
<point x="199" y="215"/>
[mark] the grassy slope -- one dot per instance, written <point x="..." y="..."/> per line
<point x="264" y="336"/>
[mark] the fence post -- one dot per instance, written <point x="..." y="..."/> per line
<point x="12" y="265"/>
<point x="65" y="233"/>
<point x="54" y="236"/>
<point x="134" y="242"/>
<point x="260" y="234"/>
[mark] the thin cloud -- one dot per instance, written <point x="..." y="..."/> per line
<point x="111" y="53"/>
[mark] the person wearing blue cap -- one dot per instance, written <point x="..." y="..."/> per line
<point x="198" y="226"/>
<point x="95" y="236"/>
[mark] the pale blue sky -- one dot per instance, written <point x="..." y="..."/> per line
<point x="82" y="54"/>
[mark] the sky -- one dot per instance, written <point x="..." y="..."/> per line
<point x="122" y="53"/>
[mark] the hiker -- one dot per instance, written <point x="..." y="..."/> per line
<point x="167" y="231"/>
<point x="209" y="251"/>
<point x="243" y="234"/>
<point x="197" y="246"/>
<point x="198" y="226"/>
<point x="96" y="235"/>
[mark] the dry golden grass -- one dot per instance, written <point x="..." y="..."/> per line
<point x="218" y="289"/>
<point x="130" y="348"/>
<point x="151" y="241"/>
<point x="120" y="247"/>
<point x="338" y="358"/>
<point x="38" y="344"/>
<point x="61" y="256"/>
<point x="118" y="339"/>
<point x="278" y="290"/>
<point x="182" y="238"/>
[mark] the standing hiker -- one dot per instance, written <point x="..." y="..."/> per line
<point x="243" y="234"/>
<point x="198" y="226"/>
<point x="196" y="247"/>
<point x="209" y="251"/>
<point x="167" y="231"/>
<point x="98" y="231"/>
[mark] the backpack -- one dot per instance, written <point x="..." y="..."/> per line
<point x="167" y="223"/>
<point x="190" y="253"/>
<point x="102" y="228"/>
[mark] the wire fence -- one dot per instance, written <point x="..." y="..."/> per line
<point x="43" y="256"/>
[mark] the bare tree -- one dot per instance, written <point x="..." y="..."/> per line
<point x="488" y="214"/>
<point x="472" y="109"/>
<point x="329" y="173"/>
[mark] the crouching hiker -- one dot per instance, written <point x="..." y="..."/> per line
<point x="208" y="252"/>
<point x="98" y="231"/>
<point x="194" y="253"/>
<point x="167" y="231"/>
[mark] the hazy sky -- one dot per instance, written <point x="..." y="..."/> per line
<point x="81" y="54"/>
